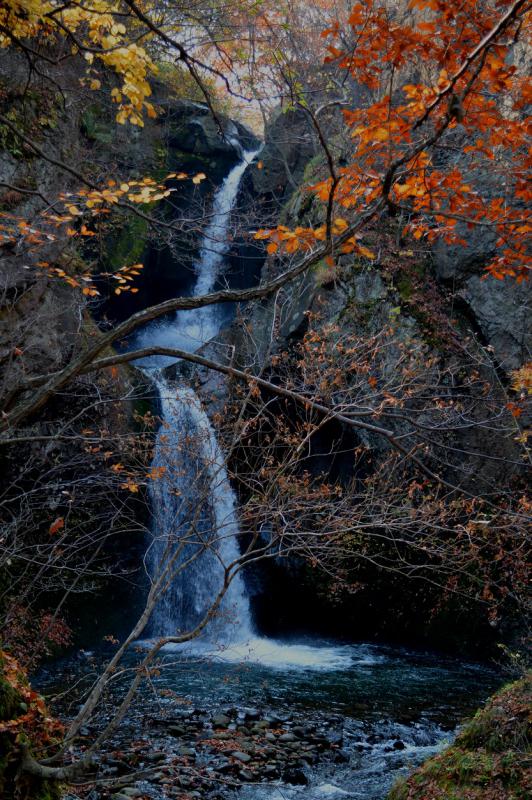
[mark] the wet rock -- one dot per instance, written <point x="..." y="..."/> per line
<point x="221" y="721"/>
<point x="399" y="745"/>
<point x="299" y="731"/>
<point x="130" y="791"/>
<point x="246" y="775"/>
<point x="240" y="756"/>
<point x="186" y="751"/>
<point x="155" y="757"/>
<point x="287" y="737"/>
<point x="295" y="776"/>
<point x="341" y="757"/>
<point x="259" y="726"/>
<point x="270" y="737"/>
<point x="250" y="714"/>
<point x="176" y="730"/>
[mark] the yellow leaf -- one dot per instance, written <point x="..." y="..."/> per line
<point x="380" y="134"/>
<point x="95" y="84"/>
<point x="365" y="252"/>
<point x="199" y="177"/>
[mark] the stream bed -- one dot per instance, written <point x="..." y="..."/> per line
<point x="311" y="720"/>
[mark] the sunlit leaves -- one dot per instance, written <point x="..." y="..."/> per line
<point x="77" y="215"/>
<point x="482" y="91"/>
<point x="96" y="31"/>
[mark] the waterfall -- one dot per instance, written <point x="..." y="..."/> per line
<point x="195" y="523"/>
<point x="195" y="526"/>
<point x="191" y="329"/>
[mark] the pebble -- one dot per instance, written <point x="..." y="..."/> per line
<point x="244" y="757"/>
<point x="246" y="775"/>
<point x="287" y="737"/>
<point x="221" y="721"/>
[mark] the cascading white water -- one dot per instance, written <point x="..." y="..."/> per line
<point x="195" y="523"/>
<point x="190" y="329"/>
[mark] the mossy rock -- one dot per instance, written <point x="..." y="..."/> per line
<point x="126" y="246"/>
<point x="95" y="127"/>
<point x="13" y="784"/>
<point x="490" y="759"/>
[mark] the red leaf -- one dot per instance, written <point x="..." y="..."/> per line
<point x="57" y="525"/>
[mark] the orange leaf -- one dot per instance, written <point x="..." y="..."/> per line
<point x="57" y="525"/>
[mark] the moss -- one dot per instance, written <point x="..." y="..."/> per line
<point x="314" y="169"/>
<point x="15" y="786"/>
<point x="8" y="140"/>
<point x="128" y="246"/>
<point x="490" y="759"/>
<point x="182" y="158"/>
<point x="94" y="125"/>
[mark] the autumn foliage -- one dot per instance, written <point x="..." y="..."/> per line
<point x="443" y="106"/>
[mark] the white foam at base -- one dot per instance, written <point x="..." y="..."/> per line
<point x="330" y="790"/>
<point x="278" y="655"/>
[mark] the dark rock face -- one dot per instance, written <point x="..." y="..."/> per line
<point x="192" y="142"/>
<point x="499" y="309"/>
<point x="193" y="129"/>
<point x="290" y="143"/>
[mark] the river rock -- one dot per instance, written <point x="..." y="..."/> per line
<point x="399" y="745"/>
<point x="250" y="714"/>
<point x="243" y="757"/>
<point x="176" y="730"/>
<point x="186" y="751"/>
<point x="259" y="726"/>
<point x="220" y="721"/>
<point x="287" y="737"/>
<point x="295" y="776"/>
